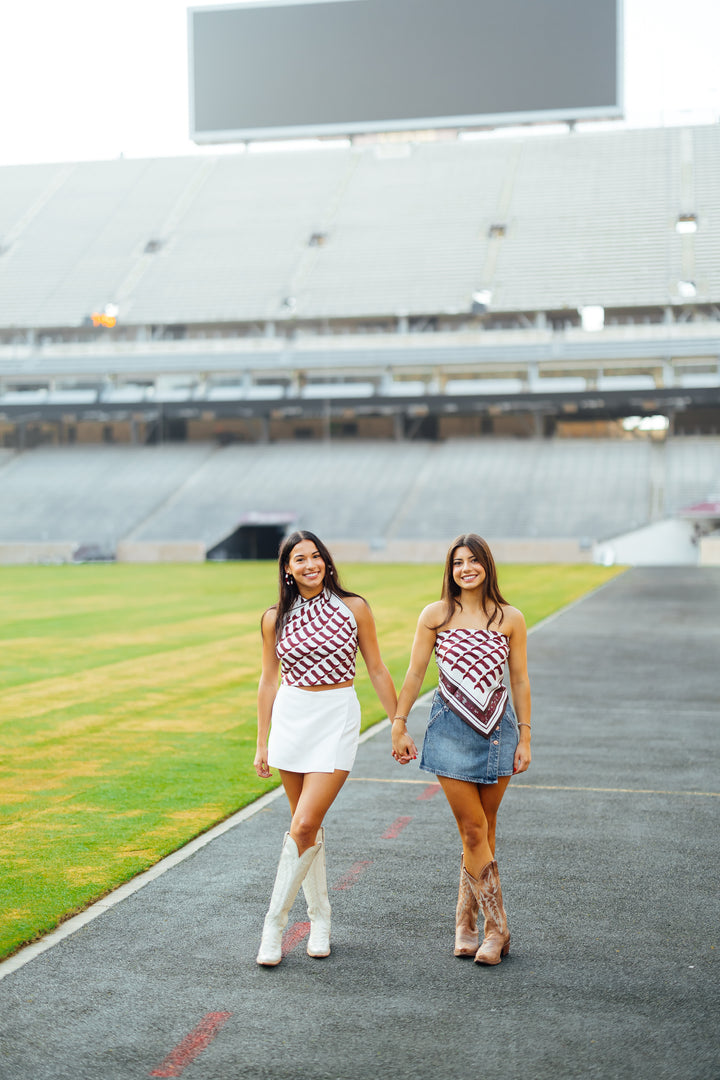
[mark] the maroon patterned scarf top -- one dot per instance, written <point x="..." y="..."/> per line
<point x="318" y="643"/>
<point x="471" y="665"/>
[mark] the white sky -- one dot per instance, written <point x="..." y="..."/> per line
<point x="92" y="79"/>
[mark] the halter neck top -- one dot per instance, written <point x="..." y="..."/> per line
<point x="471" y="664"/>
<point x="318" y="643"/>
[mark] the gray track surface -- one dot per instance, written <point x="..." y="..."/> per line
<point x="608" y="852"/>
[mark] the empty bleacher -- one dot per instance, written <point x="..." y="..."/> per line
<point x="538" y="489"/>
<point x="343" y="490"/>
<point x="691" y="472"/>
<point x="89" y="495"/>
<point x="358" y="250"/>
<point x="544" y="223"/>
<point x="600" y="226"/>
<point x="374" y="492"/>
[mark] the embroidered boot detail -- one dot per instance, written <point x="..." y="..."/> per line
<point x="496" y="940"/>
<point x="466" y="913"/>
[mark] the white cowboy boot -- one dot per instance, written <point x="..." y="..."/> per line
<point x="318" y="902"/>
<point x="291" y="870"/>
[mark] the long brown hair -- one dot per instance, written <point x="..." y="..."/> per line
<point x="492" y="598"/>
<point x="289" y="590"/>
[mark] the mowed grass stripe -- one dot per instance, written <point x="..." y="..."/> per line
<point x="128" y="719"/>
<point x="164" y="672"/>
<point x="26" y="657"/>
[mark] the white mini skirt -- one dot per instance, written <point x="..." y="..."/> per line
<point x="314" y="730"/>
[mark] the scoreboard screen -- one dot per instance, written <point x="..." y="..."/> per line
<point x="294" y="69"/>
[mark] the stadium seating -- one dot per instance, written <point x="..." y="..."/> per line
<point x="547" y="223"/>
<point x="90" y="495"/>
<point x="359" y="249"/>
<point x="307" y="480"/>
<point x="691" y="473"/>
<point x="375" y="491"/>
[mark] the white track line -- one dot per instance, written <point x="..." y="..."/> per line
<point x="70" y="926"/>
<point x="523" y="786"/>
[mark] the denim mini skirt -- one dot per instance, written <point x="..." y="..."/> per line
<point x="452" y="748"/>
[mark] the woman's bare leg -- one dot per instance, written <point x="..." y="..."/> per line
<point x="293" y="783"/>
<point x="491" y="797"/>
<point x="310" y="800"/>
<point x="469" y="809"/>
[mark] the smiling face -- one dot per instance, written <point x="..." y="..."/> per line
<point x="467" y="570"/>
<point x="307" y="566"/>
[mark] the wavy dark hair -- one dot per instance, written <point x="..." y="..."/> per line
<point x="289" y="592"/>
<point x="492" y="598"/>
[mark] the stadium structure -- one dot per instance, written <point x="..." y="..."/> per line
<point x="388" y="341"/>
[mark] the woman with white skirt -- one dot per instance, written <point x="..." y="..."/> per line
<point x="308" y="727"/>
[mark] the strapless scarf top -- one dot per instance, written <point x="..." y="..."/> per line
<point x="471" y="665"/>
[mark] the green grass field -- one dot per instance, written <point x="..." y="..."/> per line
<point x="128" y="710"/>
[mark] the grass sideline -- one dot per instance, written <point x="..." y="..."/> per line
<point x="128" y="710"/>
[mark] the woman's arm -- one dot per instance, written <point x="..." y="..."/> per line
<point x="404" y="748"/>
<point x="368" y="645"/>
<point x="520" y="686"/>
<point x="267" y="689"/>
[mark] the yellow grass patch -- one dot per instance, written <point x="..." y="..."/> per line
<point x="17" y="649"/>
<point x="16" y="914"/>
<point x="168" y="670"/>
<point x="82" y="875"/>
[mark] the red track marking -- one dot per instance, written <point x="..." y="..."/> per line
<point x="396" y="828"/>
<point x="294" y="935"/>
<point x="428" y="792"/>
<point x="192" y="1045"/>
<point x="352" y="875"/>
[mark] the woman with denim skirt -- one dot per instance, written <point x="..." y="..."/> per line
<point x="474" y="740"/>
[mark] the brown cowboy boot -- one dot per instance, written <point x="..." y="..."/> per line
<point x="496" y="942"/>
<point x="466" y="913"/>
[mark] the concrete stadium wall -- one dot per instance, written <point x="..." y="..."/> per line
<point x="710" y="550"/>
<point x="423" y="551"/>
<point x="663" y="543"/>
<point x="434" y="551"/>
<point x="152" y="551"/>
<point x="41" y="551"/>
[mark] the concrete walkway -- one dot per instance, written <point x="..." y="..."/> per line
<point x="608" y="851"/>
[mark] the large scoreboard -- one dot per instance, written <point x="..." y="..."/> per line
<point x="293" y="68"/>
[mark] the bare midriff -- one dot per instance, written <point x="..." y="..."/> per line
<point x="327" y="686"/>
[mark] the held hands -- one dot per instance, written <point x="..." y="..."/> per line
<point x="403" y="747"/>
<point x="261" y="763"/>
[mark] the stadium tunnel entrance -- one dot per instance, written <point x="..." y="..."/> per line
<point x="256" y="536"/>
